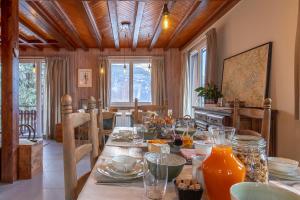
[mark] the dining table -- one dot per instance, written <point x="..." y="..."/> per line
<point x="94" y="189"/>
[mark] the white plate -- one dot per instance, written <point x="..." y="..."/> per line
<point x="283" y="162"/>
<point x="137" y="169"/>
<point x="295" y="176"/>
<point x="291" y="173"/>
<point x="104" y="171"/>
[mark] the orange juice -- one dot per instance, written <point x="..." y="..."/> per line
<point x="220" y="171"/>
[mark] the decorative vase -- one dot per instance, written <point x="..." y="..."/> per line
<point x="221" y="169"/>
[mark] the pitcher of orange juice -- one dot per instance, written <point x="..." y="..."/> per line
<point x="221" y="169"/>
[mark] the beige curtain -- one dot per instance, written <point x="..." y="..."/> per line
<point x="58" y="73"/>
<point x="102" y="82"/>
<point x="211" y="57"/>
<point x="158" y="82"/>
<point x="184" y="84"/>
<point x="297" y="69"/>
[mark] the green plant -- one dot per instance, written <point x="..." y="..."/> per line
<point x="209" y="92"/>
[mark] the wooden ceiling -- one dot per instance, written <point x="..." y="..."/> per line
<point x="73" y="24"/>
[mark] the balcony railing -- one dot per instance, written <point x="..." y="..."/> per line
<point x="27" y="121"/>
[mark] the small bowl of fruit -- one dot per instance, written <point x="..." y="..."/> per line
<point x="176" y="144"/>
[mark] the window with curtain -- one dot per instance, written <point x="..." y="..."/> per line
<point x="31" y="94"/>
<point x="130" y="82"/>
<point x="196" y="77"/>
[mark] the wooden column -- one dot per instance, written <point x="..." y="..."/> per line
<point x="10" y="82"/>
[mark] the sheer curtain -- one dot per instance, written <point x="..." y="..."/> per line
<point x="58" y="71"/>
<point x="102" y="82"/>
<point x="158" y="82"/>
<point x="184" y="84"/>
<point x="192" y="81"/>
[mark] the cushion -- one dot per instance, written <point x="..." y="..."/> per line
<point x="107" y="124"/>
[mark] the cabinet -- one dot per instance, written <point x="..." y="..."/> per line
<point x="222" y="116"/>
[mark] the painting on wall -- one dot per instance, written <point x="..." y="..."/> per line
<point x="246" y="76"/>
<point x="84" y="77"/>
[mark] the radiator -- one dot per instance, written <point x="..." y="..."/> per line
<point x="123" y="118"/>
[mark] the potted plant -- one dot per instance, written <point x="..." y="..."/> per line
<point x="210" y="93"/>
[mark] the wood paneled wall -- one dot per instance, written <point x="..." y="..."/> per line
<point x="90" y="59"/>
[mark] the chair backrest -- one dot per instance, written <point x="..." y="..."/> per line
<point x="73" y="154"/>
<point x="263" y="114"/>
<point x="109" y="116"/>
<point x="161" y="109"/>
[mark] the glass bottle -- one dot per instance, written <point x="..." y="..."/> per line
<point x="251" y="150"/>
<point x="221" y="169"/>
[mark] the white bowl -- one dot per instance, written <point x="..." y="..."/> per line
<point x="123" y="163"/>
<point x="260" y="191"/>
<point x="282" y="164"/>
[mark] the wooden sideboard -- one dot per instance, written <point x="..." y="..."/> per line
<point x="222" y="116"/>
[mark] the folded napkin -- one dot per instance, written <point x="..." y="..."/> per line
<point x="105" y="180"/>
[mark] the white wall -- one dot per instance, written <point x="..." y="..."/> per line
<point x="254" y="22"/>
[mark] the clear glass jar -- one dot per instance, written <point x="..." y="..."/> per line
<point x="251" y="150"/>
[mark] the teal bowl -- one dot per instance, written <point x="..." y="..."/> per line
<point x="181" y="130"/>
<point x="175" y="163"/>
<point x="260" y="191"/>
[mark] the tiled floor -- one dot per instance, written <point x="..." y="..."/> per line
<point x="48" y="185"/>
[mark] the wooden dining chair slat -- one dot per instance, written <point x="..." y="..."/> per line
<point x="137" y="115"/>
<point x="73" y="154"/>
<point x="264" y="114"/>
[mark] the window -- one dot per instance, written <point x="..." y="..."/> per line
<point x="195" y="76"/>
<point x="119" y="83"/>
<point x="32" y="83"/>
<point x="131" y="82"/>
<point x="142" y="82"/>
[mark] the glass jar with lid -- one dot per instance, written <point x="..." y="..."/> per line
<point x="251" y="150"/>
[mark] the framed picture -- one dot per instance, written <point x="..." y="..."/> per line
<point x="84" y="77"/>
<point x="246" y="76"/>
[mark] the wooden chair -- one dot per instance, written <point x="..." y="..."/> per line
<point x="105" y="117"/>
<point x="159" y="109"/>
<point x="73" y="154"/>
<point x="263" y="114"/>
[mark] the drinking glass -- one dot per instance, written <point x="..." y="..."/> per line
<point x="222" y="134"/>
<point x="155" y="176"/>
<point x="138" y="135"/>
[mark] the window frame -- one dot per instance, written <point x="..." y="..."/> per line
<point x="198" y="49"/>
<point x="131" y="62"/>
<point x="38" y="61"/>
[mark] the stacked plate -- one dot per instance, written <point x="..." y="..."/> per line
<point x="121" y="172"/>
<point x="284" y="168"/>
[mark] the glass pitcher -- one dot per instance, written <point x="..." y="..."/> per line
<point x="221" y="169"/>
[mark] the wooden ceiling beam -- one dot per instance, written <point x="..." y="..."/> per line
<point x="137" y="23"/>
<point x="37" y="34"/>
<point x="44" y="13"/>
<point x="69" y="23"/>
<point x="112" y="8"/>
<point x="43" y="21"/>
<point x="182" y="24"/>
<point x="217" y="14"/>
<point x="92" y="24"/>
<point x="25" y="41"/>
<point x="158" y="27"/>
